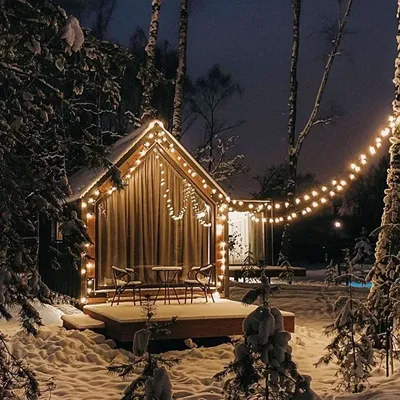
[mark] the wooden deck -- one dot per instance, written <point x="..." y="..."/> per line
<point x="197" y="320"/>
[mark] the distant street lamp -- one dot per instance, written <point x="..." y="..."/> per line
<point x="337" y="224"/>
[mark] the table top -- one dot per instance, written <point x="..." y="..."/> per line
<point x="167" y="268"/>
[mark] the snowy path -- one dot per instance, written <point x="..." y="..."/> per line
<point x="77" y="361"/>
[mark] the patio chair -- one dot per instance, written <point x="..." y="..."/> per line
<point x="200" y="277"/>
<point x="124" y="280"/>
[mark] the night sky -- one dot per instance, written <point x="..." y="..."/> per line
<point x="251" y="39"/>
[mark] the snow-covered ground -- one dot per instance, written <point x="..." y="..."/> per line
<point x="77" y="361"/>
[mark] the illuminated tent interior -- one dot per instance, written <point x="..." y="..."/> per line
<point x="160" y="218"/>
<point x="245" y="236"/>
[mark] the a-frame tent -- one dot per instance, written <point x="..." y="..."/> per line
<point x="170" y="212"/>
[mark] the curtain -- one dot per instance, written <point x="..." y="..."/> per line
<point x="256" y="239"/>
<point x="135" y="228"/>
<point x="245" y="235"/>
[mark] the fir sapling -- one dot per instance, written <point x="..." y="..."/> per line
<point x="263" y="366"/>
<point x="152" y="380"/>
<point x="351" y="348"/>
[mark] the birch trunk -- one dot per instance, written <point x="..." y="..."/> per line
<point x="295" y="145"/>
<point x="180" y="73"/>
<point x="391" y="211"/>
<point x="148" y="84"/>
<point x="292" y="173"/>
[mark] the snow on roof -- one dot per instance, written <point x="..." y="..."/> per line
<point x="83" y="180"/>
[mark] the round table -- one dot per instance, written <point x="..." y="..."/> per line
<point x="166" y="276"/>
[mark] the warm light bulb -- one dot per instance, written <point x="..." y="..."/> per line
<point x="97" y="192"/>
<point x="324" y="188"/>
<point x="84" y="205"/>
<point x="240" y="203"/>
<point x="306" y="197"/>
<point x="314" y="193"/>
<point x="251" y="206"/>
<point x="89" y="215"/>
<point x="298" y="201"/>
<point x="277" y="206"/>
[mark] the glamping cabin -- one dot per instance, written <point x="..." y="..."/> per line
<point x="169" y="213"/>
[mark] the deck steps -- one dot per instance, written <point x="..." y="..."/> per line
<point x="81" y="322"/>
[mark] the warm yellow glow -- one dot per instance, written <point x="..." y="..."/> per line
<point x="83" y="300"/>
<point x="323" y="200"/>
<point x="332" y="193"/>
<point x="89" y="215"/>
<point x="315" y="204"/>
<point x="83" y="271"/>
<point x="306" y="197"/>
<point x="352" y="177"/>
<point x="84" y="205"/>
<point x="240" y="203"/>
<point x="277" y="206"/>
<point x="298" y="201"/>
<point x="97" y="192"/>
<point x="334" y="182"/>
<point x="251" y="206"/>
<point x="264" y="220"/>
<point x="89" y="290"/>
<point x="324" y="188"/>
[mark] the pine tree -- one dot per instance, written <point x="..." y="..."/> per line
<point x="263" y="366"/>
<point x="59" y="92"/>
<point x="180" y="73"/>
<point x="152" y="381"/>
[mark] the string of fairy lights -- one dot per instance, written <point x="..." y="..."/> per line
<point x="311" y="200"/>
<point x="285" y="212"/>
<point x="188" y="194"/>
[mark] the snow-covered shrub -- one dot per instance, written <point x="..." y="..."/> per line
<point x="263" y="366"/>
<point x="151" y="379"/>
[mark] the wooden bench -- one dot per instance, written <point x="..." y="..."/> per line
<point x="270" y="271"/>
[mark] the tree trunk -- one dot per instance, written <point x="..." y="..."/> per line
<point x="391" y="210"/>
<point x="180" y="73"/>
<point x="148" y="81"/>
<point x="292" y="173"/>
<point x="388" y="243"/>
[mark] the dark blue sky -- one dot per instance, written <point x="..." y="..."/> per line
<point x="251" y="39"/>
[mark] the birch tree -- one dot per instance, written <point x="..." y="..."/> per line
<point x="147" y="78"/>
<point x="384" y="297"/>
<point x="180" y="73"/>
<point x="315" y="118"/>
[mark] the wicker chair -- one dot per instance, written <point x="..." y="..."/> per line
<point x="124" y="280"/>
<point x="200" y="277"/>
